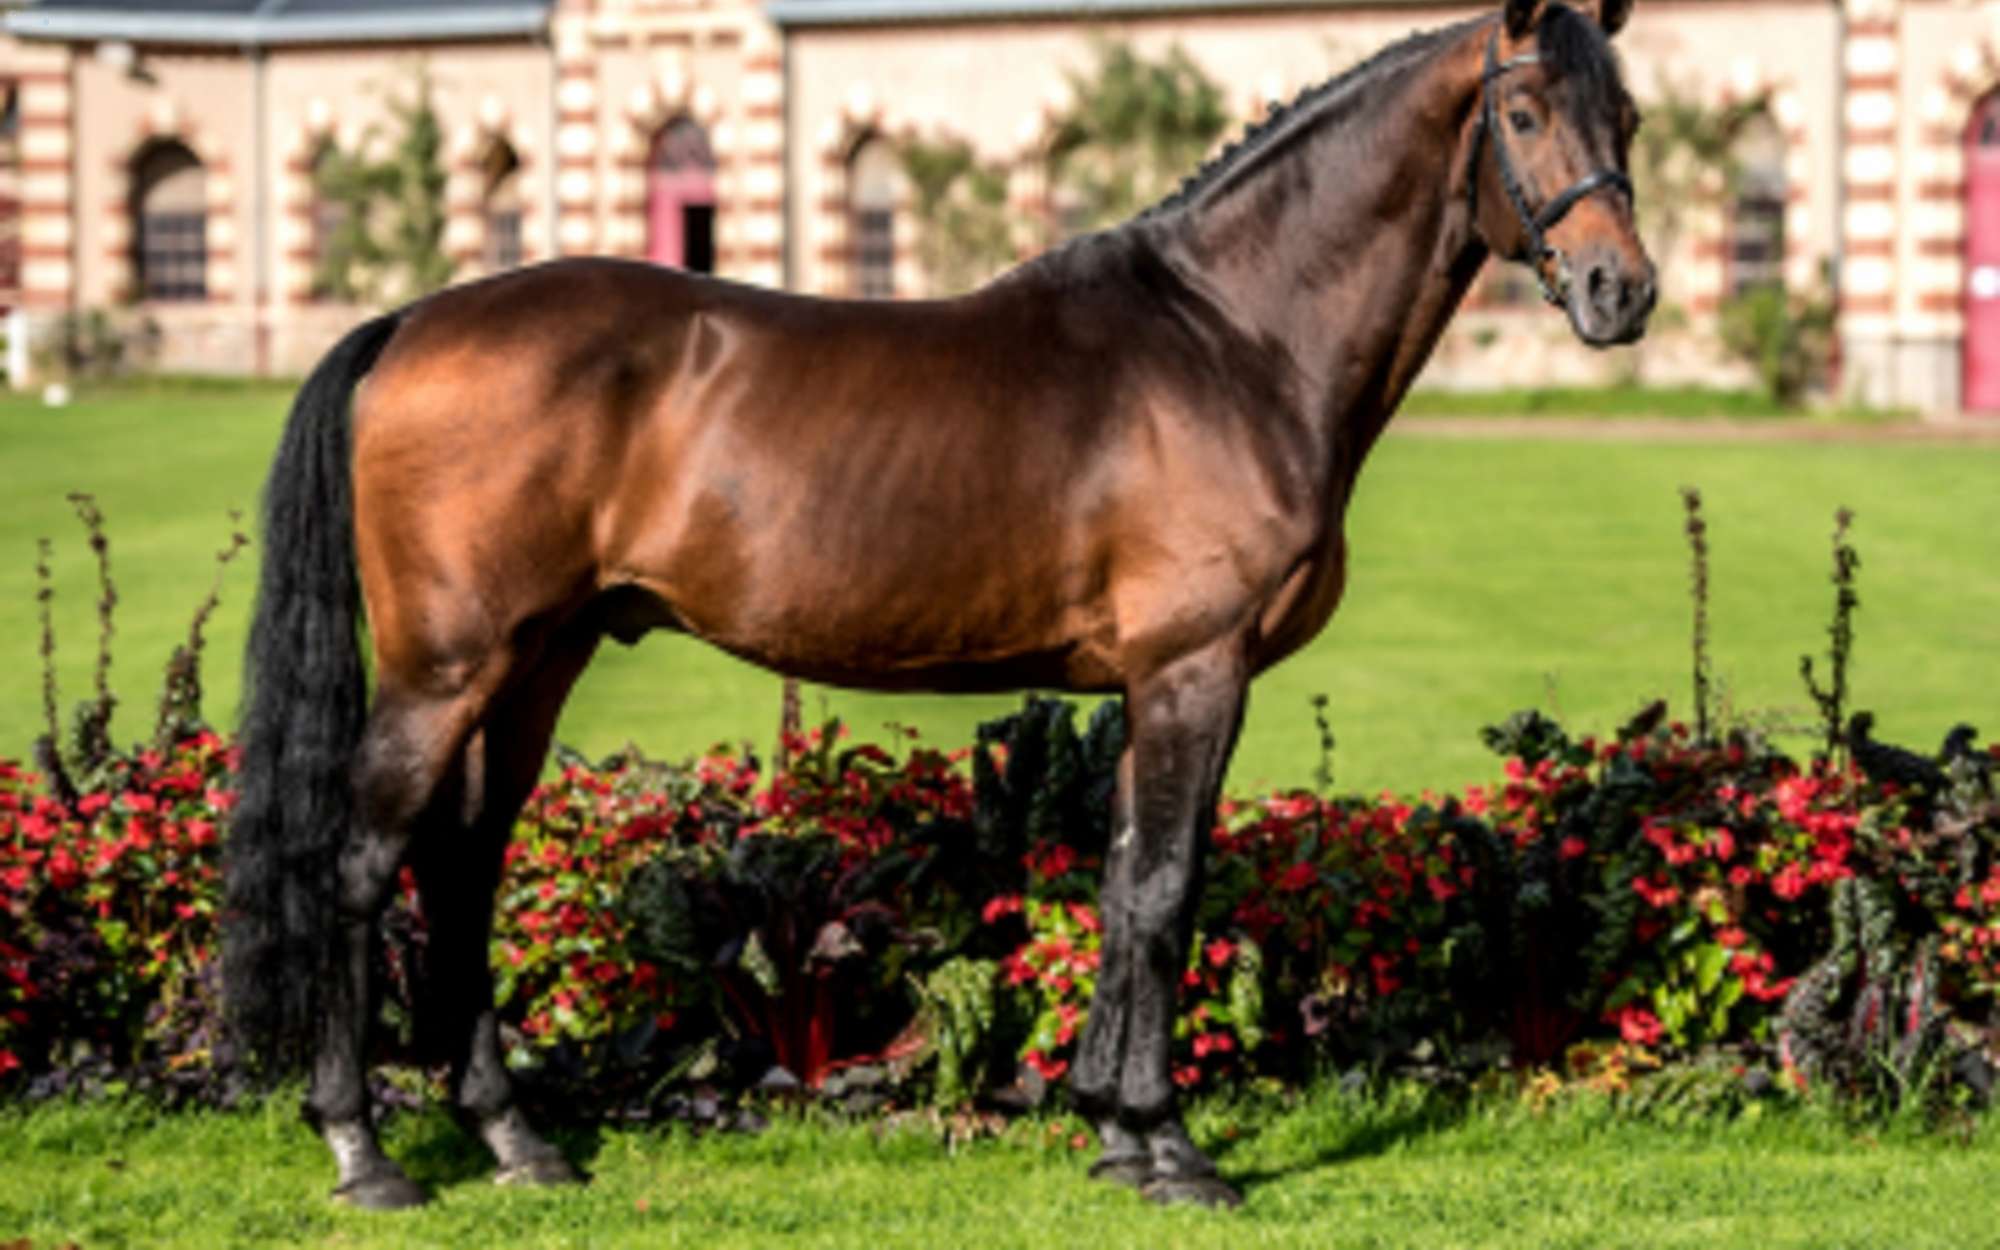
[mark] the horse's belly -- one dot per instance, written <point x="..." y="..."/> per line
<point x="948" y="630"/>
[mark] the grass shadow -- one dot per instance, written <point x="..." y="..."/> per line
<point x="438" y="1153"/>
<point x="1368" y="1129"/>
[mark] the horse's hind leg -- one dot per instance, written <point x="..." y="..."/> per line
<point x="409" y="750"/>
<point x="1183" y="720"/>
<point x="458" y="868"/>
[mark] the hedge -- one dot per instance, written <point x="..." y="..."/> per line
<point x="927" y="920"/>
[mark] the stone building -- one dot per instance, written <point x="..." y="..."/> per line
<point x="162" y="153"/>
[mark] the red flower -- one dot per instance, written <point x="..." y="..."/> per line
<point x="1573" y="847"/>
<point x="1050" y="861"/>
<point x="1658" y="896"/>
<point x="1000" y="905"/>
<point x="1220" y="952"/>
<point x="1789" y="882"/>
<point x="1296" y="878"/>
<point x="1051" y="1069"/>
<point x="1638" y="1026"/>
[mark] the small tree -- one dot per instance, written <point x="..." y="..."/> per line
<point x="1786" y="336"/>
<point x="964" y="231"/>
<point x="388" y="243"/>
<point x="1679" y="154"/>
<point x="1134" y="129"/>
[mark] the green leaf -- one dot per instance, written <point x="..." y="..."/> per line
<point x="1710" y="960"/>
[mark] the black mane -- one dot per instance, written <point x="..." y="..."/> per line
<point x="1337" y="98"/>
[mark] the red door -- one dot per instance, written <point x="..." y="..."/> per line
<point x="1982" y="258"/>
<point x="680" y="199"/>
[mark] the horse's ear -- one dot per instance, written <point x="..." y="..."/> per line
<point x="1519" y="16"/>
<point x="1611" y="15"/>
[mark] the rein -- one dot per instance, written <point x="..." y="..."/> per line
<point x="1534" y="224"/>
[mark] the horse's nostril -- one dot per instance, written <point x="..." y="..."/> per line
<point x="1604" y="290"/>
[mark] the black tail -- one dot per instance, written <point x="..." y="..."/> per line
<point x="305" y="705"/>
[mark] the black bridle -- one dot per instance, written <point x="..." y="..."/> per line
<point x="1535" y="224"/>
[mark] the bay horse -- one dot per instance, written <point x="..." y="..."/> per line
<point x="1121" y="467"/>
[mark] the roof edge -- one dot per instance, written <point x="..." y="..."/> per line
<point x="864" y="12"/>
<point x="85" y="25"/>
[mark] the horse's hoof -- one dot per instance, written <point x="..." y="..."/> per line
<point x="383" y="1191"/>
<point x="1129" y="1170"/>
<point x="1207" y="1191"/>
<point x="546" y="1170"/>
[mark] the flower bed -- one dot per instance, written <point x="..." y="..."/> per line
<point x="1670" y="894"/>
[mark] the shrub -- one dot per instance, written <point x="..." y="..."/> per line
<point x="110" y="906"/>
<point x="1786" y="338"/>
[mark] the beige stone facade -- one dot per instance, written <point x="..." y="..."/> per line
<point x="1862" y="193"/>
<point x="576" y="106"/>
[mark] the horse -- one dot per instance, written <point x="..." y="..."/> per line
<point x="1121" y="467"/>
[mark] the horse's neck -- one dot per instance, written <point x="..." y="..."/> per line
<point x="1351" y="249"/>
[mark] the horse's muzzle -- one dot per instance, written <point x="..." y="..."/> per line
<point x="1610" y="297"/>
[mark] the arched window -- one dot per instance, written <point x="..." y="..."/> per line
<point x="170" y="216"/>
<point x="874" y="178"/>
<point x="500" y="209"/>
<point x="10" y="123"/>
<point x="680" y="198"/>
<point x="1756" y="246"/>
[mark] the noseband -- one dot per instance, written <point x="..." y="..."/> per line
<point x="1534" y="225"/>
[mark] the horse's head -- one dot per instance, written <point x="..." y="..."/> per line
<point x="1546" y="167"/>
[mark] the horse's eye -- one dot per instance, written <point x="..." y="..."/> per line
<point x="1522" y="121"/>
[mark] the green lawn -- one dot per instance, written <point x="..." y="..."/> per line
<point x="1669" y="402"/>
<point x="1488" y="575"/>
<point x="1331" y="1172"/>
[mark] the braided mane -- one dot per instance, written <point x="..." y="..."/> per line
<point x="1339" y="96"/>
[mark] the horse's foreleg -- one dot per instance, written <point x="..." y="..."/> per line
<point x="1183" y="722"/>
<point x="1101" y="1053"/>
<point x="408" y="753"/>
<point x="458" y="868"/>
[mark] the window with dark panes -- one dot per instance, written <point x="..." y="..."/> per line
<point x="170" y="224"/>
<point x="874" y="178"/>
<point x="1756" y="244"/>
<point x="500" y="211"/>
